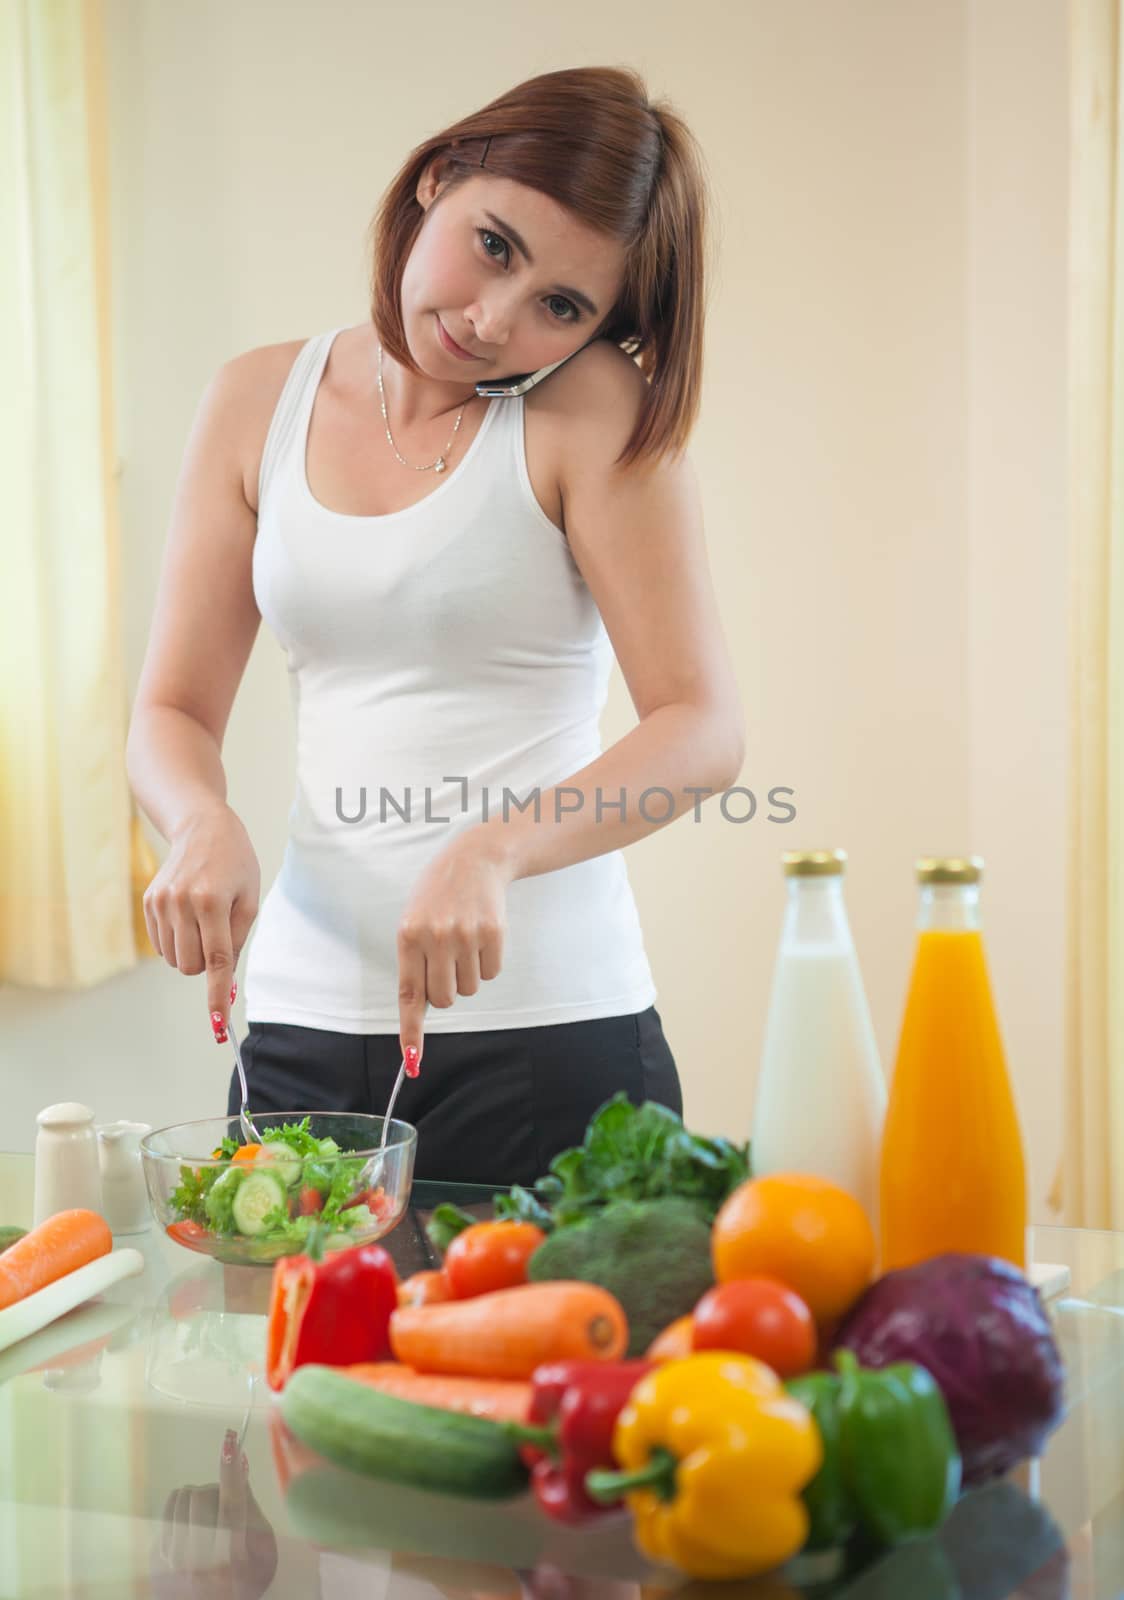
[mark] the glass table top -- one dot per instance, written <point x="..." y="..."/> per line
<point x="112" y="1483"/>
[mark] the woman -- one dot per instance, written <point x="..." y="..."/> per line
<point x="450" y="576"/>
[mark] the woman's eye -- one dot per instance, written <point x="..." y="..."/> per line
<point x="572" y="314"/>
<point x="485" y="235"/>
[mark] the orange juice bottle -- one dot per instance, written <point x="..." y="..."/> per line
<point x="952" y="1174"/>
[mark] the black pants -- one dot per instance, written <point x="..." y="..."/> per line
<point x="489" y="1107"/>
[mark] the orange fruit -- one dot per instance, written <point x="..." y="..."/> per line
<point x="812" y="1235"/>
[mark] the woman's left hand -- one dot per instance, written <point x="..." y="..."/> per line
<point x="452" y="930"/>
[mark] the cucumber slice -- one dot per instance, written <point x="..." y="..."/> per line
<point x="259" y="1193"/>
<point x="356" y="1217"/>
<point x="283" y="1160"/>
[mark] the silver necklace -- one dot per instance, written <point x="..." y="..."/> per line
<point x="435" y="466"/>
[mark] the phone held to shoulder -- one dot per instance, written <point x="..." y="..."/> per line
<point x="520" y="382"/>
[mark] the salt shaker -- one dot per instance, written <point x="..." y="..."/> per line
<point x="124" y="1196"/>
<point x="67" y="1171"/>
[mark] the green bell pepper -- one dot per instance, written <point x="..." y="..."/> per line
<point x="891" y="1468"/>
<point x="827" y="1499"/>
<point x="898" y="1449"/>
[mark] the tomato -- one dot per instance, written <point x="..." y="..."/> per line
<point x="189" y="1233"/>
<point x="490" y="1255"/>
<point x="311" y="1202"/>
<point x="424" y="1289"/>
<point x="759" y="1317"/>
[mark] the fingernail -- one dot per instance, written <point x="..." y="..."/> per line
<point x="413" y="1064"/>
<point x="228" y="1447"/>
<point x="218" y="1027"/>
<point x="234" y="991"/>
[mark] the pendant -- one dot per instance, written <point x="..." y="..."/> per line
<point x="439" y="464"/>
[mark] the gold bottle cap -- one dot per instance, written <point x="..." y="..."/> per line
<point x="813" y="863"/>
<point x="950" y="869"/>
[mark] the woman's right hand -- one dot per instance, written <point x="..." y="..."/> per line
<point x="201" y="905"/>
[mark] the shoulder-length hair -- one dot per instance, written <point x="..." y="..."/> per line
<point x="590" y="139"/>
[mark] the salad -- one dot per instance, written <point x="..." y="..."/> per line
<point x="272" y="1193"/>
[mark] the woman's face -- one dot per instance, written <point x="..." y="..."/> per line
<point x="467" y="271"/>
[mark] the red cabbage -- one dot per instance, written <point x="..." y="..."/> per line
<point x="979" y="1327"/>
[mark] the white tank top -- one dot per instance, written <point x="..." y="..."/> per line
<point x="452" y="646"/>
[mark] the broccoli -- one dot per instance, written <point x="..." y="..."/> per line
<point x="652" y="1255"/>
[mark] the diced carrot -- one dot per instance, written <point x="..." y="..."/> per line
<point x="501" y="1399"/>
<point x="510" y="1332"/>
<point x="61" y="1244"/>
<point x="247" y="1152"/>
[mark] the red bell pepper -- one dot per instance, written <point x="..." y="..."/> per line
<point x="574" y="1409"/>
<point x="335" y="1312"/>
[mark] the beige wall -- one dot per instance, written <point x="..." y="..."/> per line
<point x="881" y="451"/>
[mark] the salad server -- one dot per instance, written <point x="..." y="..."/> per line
<point x="373" y="1168"/>
<point x="249" y="1133"/>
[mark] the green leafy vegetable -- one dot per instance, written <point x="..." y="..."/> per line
<point x="629" y="1153"/>
<point x="637" y="1153"/>
<point x="296" y="1136"/>
<point x="445" y="1223"/>
<point x="190" y="1195"/>
<point x="219" y="1203"/>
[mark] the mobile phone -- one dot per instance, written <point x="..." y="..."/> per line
<point x="520" y="382"/>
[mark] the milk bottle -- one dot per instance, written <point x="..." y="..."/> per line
<point x="821" y="1093"/>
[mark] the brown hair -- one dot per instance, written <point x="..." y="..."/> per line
<point x="590" y="139"/>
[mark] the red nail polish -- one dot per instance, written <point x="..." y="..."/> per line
<point x="234" y="991"/>
<point x="413" y="1064"/>
<point x="218" y="1027"/>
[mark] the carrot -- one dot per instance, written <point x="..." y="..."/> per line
<point x="508" y="1333"/>
<point x="59" y="1245"/>
<point x="500" y="1399"/>
<point x="247" y="1152"/>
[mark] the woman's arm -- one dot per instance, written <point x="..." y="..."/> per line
<point x="637" y="538"/>
<point x="202" y="902"/>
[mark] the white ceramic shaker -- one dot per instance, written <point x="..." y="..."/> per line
<point x="67" y="1171"/>
<point x="124" y="1196"/>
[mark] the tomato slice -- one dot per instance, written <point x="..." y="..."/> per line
<point x="190" y="1234"/>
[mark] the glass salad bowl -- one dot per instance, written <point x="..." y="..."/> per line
<point x="248" y="1205"/>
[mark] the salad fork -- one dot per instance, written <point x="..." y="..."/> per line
<point x="372" y="1168"/>
<point x="250" y="1134"/>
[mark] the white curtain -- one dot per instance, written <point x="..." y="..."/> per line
<point x="1092" y="1181"/>
<point x="70" y="843"/>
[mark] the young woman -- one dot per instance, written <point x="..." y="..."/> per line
<point x="450" y="576"/>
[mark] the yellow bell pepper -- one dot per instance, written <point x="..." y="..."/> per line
<point x="715" y="1454"/>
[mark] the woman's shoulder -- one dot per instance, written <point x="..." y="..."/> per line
<point x="602" y="375"/>
<point x="248" y="387"/>
<point x="594" y="400"/>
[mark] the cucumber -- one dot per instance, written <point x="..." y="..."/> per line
<point x="283" y="1160"/>
<point x="259" y="1193"/>
<point x="382" y="1436"/>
